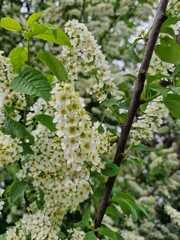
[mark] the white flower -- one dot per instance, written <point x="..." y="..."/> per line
<point x="85" y="56"/>
<point x="148" y="123"/>
<point x="173" y="213"/>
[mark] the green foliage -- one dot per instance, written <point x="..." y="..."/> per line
<point x="133" y="55"/>
<point x="32" y="82"/>
<point x="167" y="54"/>
<point x="15" y="191"/>
<point x="109" y="233"/>
<point x="90" y="236"/>
<point x="110" y="170"/>
<point x="86" y="218"/>
<point x="172" y="103"/>
<point x="128" y="205"/>
<point x="10" y="24"/>
<point x="3" y="237"/>
<point x="16" y="129"/>
<point x="47" y="32"/>
<point x="19" y="58"/>
<point x="33" y="18"/>
<point x="46" y="120"/>
<point x="54" y="65"/>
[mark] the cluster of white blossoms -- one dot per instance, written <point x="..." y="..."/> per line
<point x="34" y="226"/>
<point x="148" y="123"/>
<point x="76" y="234"/>
<point x="80" y="140"/>
<point x="7" y="96"/>
<point x="10" y="149"/>
<point x="174" y="8"/>
<point x="131" y="235"/>
<point x="173" y="213"/>
<point x="86" y="57"/>
<point x="63" y="186"/>
<point x="61" y="160"/>
<point x="1" y="202"/>
<point x="159" y="67"/>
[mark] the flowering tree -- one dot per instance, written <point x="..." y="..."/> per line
<point x="58" y="163"/>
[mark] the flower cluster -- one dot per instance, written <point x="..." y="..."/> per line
<point x="159" y="67"/>
<point x="86" y="57"/>
<point x="174" y="8"/>
<point x="80" y="140"/>
<point x="36" y="226"/>
<point x="76" y="234"/>
<point x="131" y="235"/>
<point x="10" y="150"/>
<point x="61" y="162"/>
<point x="173" y="213"/>
<point x="7" y="96"/>
<point x="1" y="202"/>
<point x="148" y="123"/>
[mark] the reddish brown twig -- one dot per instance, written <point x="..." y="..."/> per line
<point x="134" y="105"/>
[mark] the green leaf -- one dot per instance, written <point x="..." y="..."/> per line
<point x="107" y="232"/>
<point x="127" y="204"/>
<point x="62" y="235"/>
<point x="110" y="102"/>
<point x="134" y="159"/>
<point x="110" y="170"/>
<point x="119" y="237"/>
<point x="112" y="211"/>
<point x="167" y="54"/>
<point x="33" y="82"/>
<point x="10" y="24"/>
<point x="123" y="117"/>
<point x="133" y="55"/>
<point x="172" y="102"/>
<point x="100" y="128"/>
<point x="128" y="209"/>
<point x="47" y="121"/>
<point x="125" y="196"/>
<point x="34" y="17"/>
<point x="176" y="90"/>
<point x="49" y="33"/>
<point x="26" y="148"/>
<point x="16" y="129"/>
<point x="3" y="237"/>
<point x="131" y="76"/>
<point x="158" y="88"/>
<point x="13" y="168"/>
<point x="168" y="41"/>
<point x="19" y="58"/>
<point x="141" y="148"/>
<point x="90" y="236"/>
<point x="54" y="65"/>
<point x="86" y="218"/>
<point x="176" y="70"/>
<point x="168" y="30"/>
<point x="16" y="191"/>
<point x="171" y="20"/>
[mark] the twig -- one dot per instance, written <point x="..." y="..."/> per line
<point x="135" y="103"/>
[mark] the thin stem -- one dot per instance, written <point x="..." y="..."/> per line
<point x="134" y="105"/>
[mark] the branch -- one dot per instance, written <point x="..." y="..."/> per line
<point x="134" y="105"/>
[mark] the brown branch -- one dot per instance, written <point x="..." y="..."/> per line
<point x="134" y="105"/>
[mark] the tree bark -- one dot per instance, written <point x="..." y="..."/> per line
<point x="134" y="105"/>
